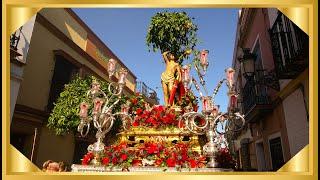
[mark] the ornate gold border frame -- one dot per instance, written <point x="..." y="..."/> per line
<point x="303" y="12"/>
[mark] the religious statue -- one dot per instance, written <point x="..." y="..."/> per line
<point x="171" y="79"/>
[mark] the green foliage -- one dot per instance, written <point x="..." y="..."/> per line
<point x="188" y="99"/>
<point x="64" y="117"/>
<point x="172" y="31"/>
<point x="137" y="102"/>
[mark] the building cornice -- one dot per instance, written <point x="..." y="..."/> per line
<point x="89" y="31"/>
<point x="245" y="22"/>
<point x="60" y="35"/>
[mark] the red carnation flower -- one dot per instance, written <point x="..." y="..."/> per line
<point x="154" y="122"/>
<point x="85" y="161"/>
<point x="114" y="160"/>
<point x="166" y="120"/>
<point x="192" y="163"/>
<point x="152" y="149"/>
<point x="159" y="108"/>
<point x="105" y="161"/>
<point x="149" y="120"/>
<point x="171" y="116"/>
<point x="171" y="162"/>
<point x="135" y="123"/>
<point x="158" y="162"/>
<point x="124" y="157"/>
<point x="87" y="158"/>
<point x="184" y="157"/>
<point x="90" y="155"/>
<point x="136" y="162"/>
<point x="139" y="111"/>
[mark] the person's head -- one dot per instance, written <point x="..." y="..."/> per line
<point x="51" y="166"/>
<point x="171" y="56"/>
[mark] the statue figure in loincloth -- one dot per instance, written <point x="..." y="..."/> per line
<point x="171" y="79"/>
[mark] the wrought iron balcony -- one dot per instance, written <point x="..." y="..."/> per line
<point x="14" y="41"/>
<point x="290" y="46"/>
<point x="149" y="93"/>
<point x="255" y="100"/>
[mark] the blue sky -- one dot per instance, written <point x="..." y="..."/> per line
<point x="124" y="32"/>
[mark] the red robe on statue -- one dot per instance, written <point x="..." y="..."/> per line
<point x="177" y="87"/>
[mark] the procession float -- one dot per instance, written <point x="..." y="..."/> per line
<point x="180" y="135"/>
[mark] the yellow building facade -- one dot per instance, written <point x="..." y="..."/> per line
<point x="59" y="38"/>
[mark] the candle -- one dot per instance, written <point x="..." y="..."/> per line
<point x="230" y="75"/>
<point x="97" y="105"/>
<point x="207" y="105"/>
<point x="125" y="108"/>
<point x="204" y="59"/>
<point x="233" y="101"/>
<point x="122" y="76"/>
<point x="186" y="73"/>
<point x="83" y="110"/>
<point x="186" y="76"/>
<point x="111" y="67"/>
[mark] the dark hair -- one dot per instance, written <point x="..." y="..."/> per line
<point x="46" y="164"/>
<point x="62" y="166"/>
<point x="169" y="54"/>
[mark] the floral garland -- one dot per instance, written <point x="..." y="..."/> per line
<point x="158" y="154"/>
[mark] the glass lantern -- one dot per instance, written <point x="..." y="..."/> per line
<point x="125" y="109"/>
<point x="83" y="110"/>
<point x="204" y="59"/>
<point x="122" y="76"/>
<point x="97" y="105"/>
<point x="111" y="67"/>
<point x="207" y="104"/>
<point x="230" y="76"/>
<point x="186" y="76"/>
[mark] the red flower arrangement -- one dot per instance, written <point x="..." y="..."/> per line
<point x="163" y="154"/>
<point x="87" y="158"/>
<point x="157" y="117"/>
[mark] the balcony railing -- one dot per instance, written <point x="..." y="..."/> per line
<point x="253" y="95"/>
<point x="148" y="92"/>
<point x="14" y="41"/>
<point x="290" y="47"/>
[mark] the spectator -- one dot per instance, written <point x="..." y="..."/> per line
<point x="51" y="166"/>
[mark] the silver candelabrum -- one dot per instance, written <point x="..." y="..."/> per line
<point x="101" y="114"/>
<point x="230" y="121"/>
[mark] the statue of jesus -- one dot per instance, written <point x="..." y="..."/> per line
<point x="170" y="78"/>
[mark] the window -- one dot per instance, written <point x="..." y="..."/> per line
<point x="290" y="46"/>
<point x="276" y="153"/>
<point x="260" y="89"/>
<point x="63" y="73"/>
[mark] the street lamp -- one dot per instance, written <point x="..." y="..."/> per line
<point x="268" y="79"/>
<point x="247" y="62"/>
